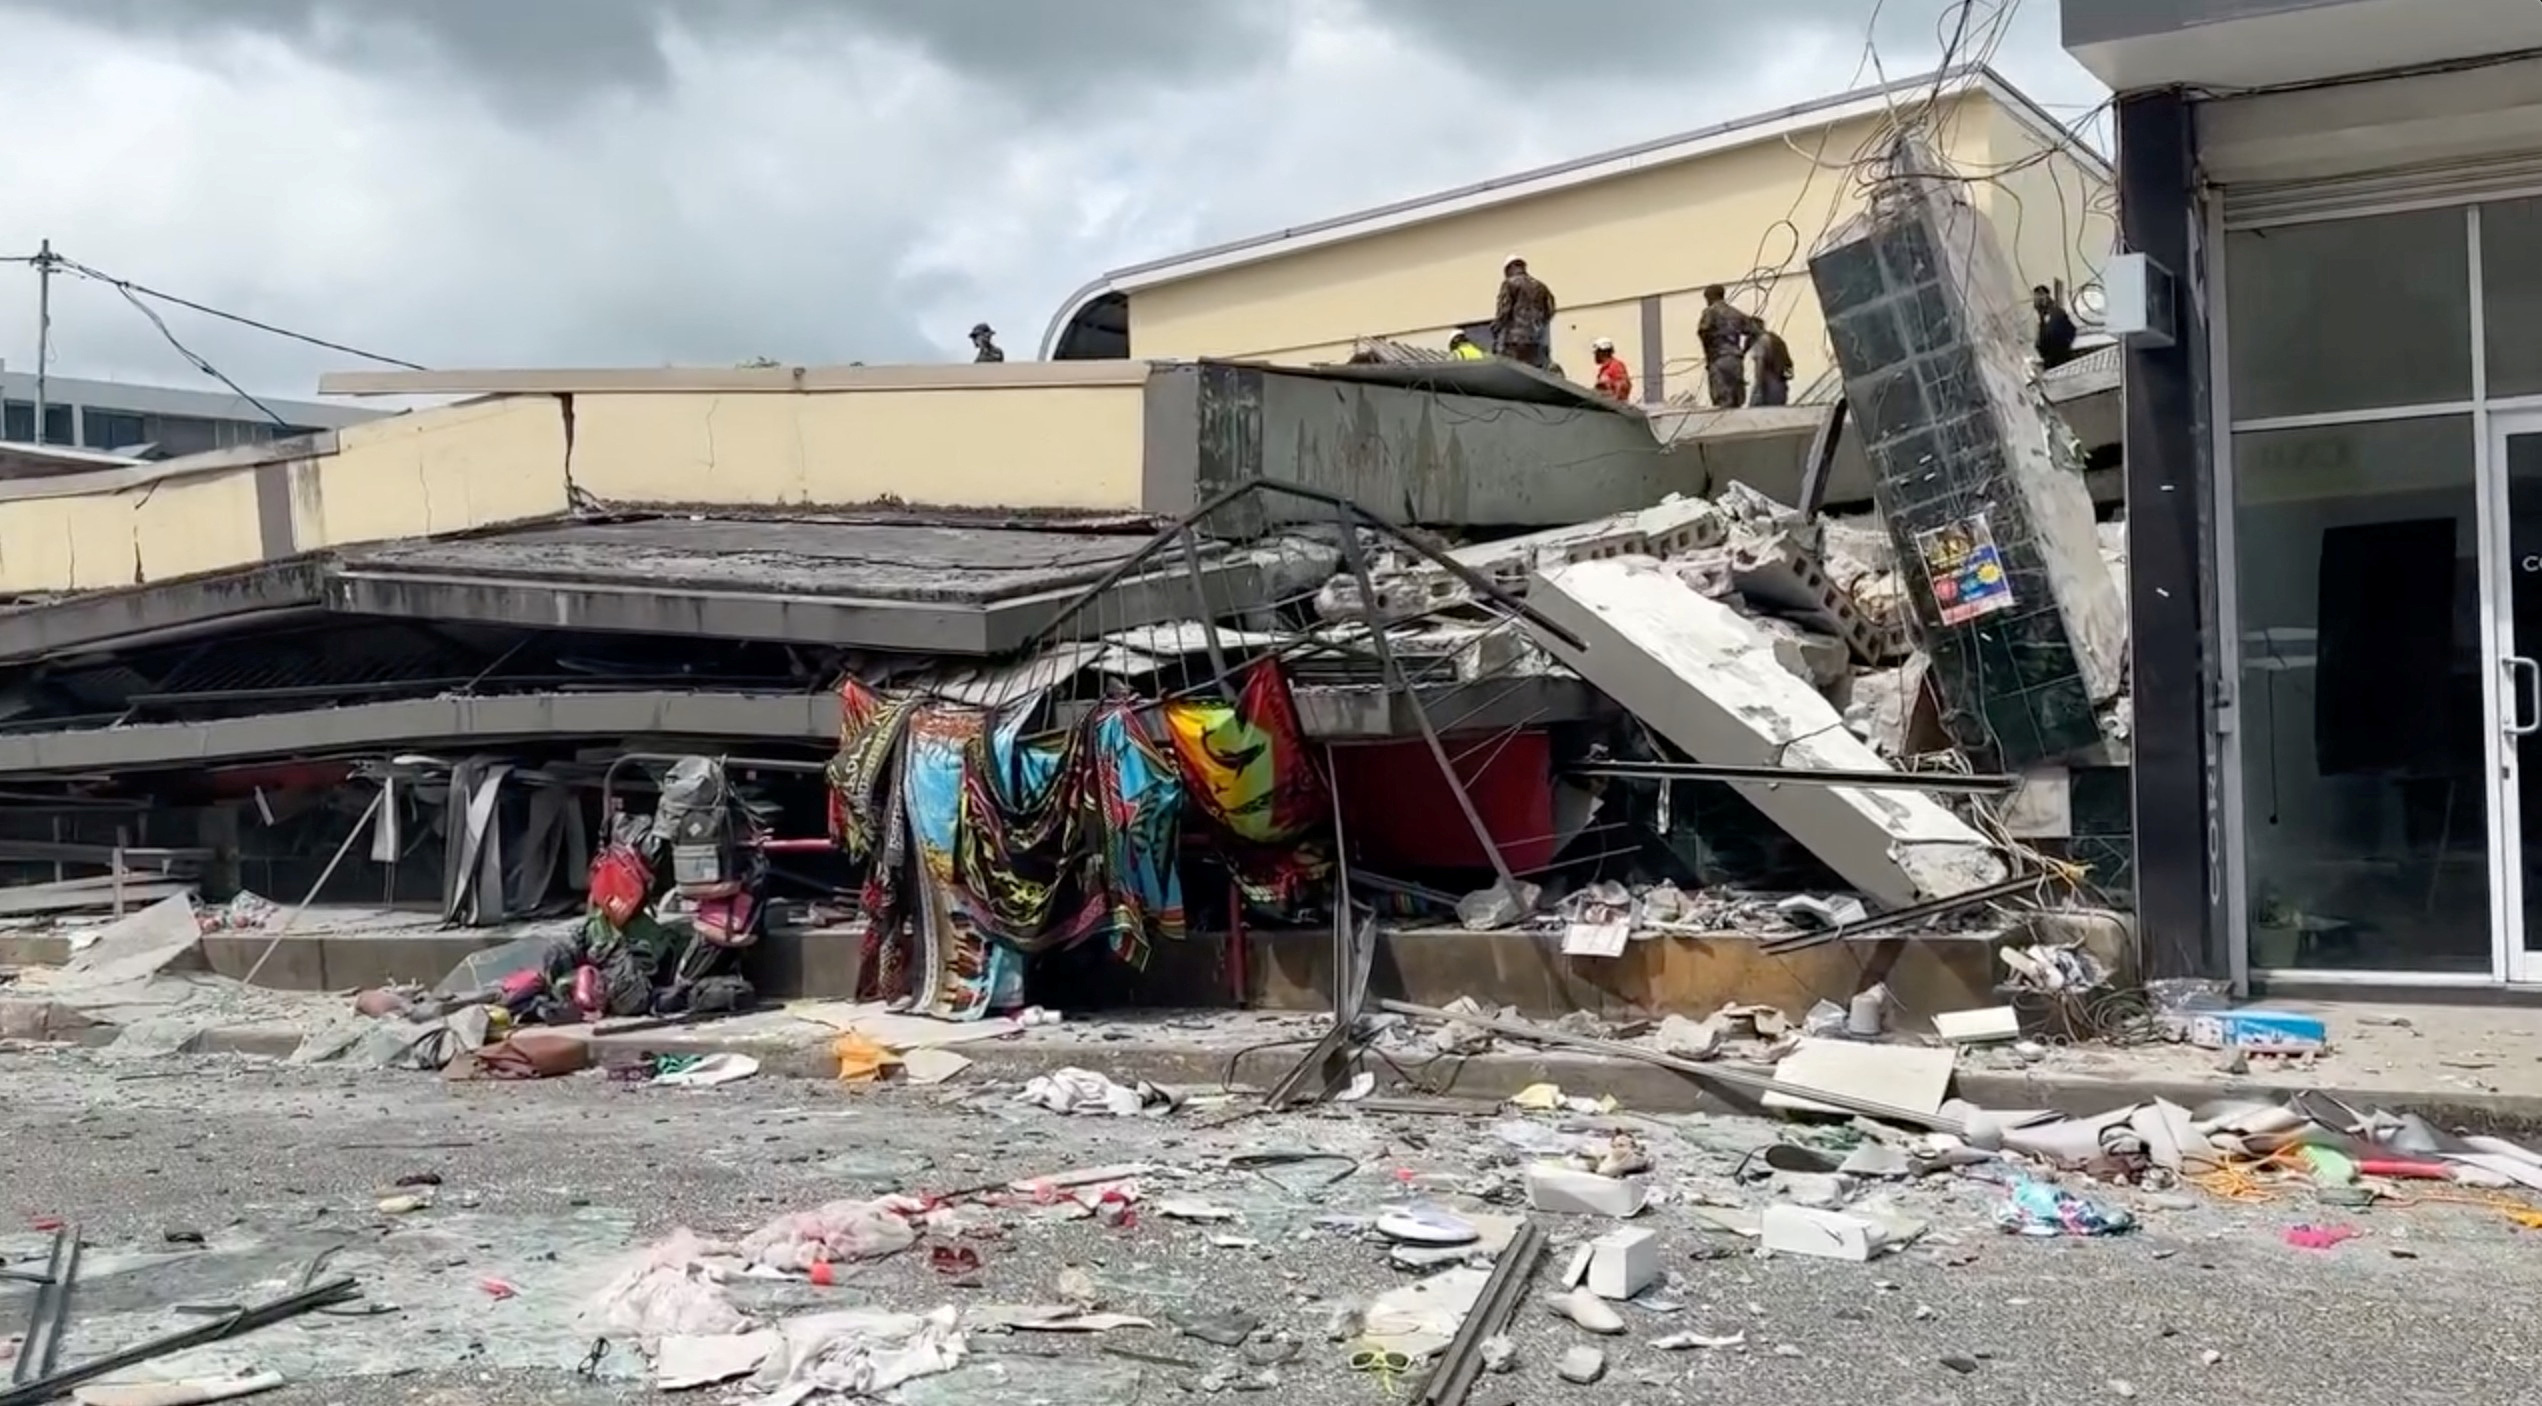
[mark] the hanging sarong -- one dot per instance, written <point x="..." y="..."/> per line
<point x="1251" y="772"/>
<point x="1137" y="812"/>
<point x="1026" y="858"/>
<point x="869" y="823"/>
<point x="1248" y="763"/>
<point x="956" y="967"/>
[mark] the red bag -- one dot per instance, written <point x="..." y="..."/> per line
<point x="620" y="880"/>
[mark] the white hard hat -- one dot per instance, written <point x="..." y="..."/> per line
<point x="1602" y="344"/>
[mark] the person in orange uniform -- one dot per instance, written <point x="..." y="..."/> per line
<point x="1615" y="379"/>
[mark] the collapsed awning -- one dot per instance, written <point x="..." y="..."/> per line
<point x="858" y="584"/>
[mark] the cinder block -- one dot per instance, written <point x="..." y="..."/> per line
<point x="1623" y="1263"/>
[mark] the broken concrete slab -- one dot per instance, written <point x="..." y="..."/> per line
<point x="1900" y="1076"/>
<point x="1889" y="709"/>
<point x="162" y="937"/>
<point x="1706" y="679"/>
<point x="1822" y="661"/>
<point x="1675" y="527"/>
<point x="1822" y="1234"/>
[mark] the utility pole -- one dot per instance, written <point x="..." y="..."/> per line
<point x="45" y="259"/>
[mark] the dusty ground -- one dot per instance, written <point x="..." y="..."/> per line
<point x="542" y="1184"/>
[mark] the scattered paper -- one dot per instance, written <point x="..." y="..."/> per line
<point x="932" y="1065"/>
<point x="713" y="1069"/>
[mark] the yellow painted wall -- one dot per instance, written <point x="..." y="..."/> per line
<point x="504" y="460"/>
<point x="1747" y="218"/>
<point x="1044" y="446"/>
<point x="95" y="541"/>
<point x="450" y="469"/>
<point x="2058" y="216"/>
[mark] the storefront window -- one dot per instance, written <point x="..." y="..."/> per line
<point x="2365" y="798"/>
<point x="2511" y="295"/>
<point x="2350" y="314"/>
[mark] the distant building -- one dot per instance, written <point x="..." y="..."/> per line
<point x="1627" y="239"/>
<point x="120" y="416"/>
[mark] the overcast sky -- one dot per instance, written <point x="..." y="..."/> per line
<point x="649" y="182"/>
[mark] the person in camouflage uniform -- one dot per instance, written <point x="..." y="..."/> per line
<point x="1522" y="320"/>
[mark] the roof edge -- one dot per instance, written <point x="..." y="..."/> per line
<point x="1544" y="180"/>
<point x="1074" y="304"/>
<point x="959" y="375"/>
<point x="2042" y="123"/>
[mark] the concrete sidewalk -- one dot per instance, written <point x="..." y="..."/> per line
<point x="2470" y="1066"/>
<point x="2461" y="1066"/>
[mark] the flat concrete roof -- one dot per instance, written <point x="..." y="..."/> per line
<point x="919" y="587"/>
<point x="1349" y="712"/>
<point x="791" y="555"/>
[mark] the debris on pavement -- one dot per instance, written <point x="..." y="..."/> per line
<point x="1580" y="1366"/>
<point x="1085" y="1091"/>
<point x="2038" y="1208"/>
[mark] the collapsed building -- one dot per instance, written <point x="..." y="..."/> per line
<point x="1269" y="683"/>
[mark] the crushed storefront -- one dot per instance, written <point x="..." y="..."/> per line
<point x="1687" y="753"/>
<point x="2333" y="413"/>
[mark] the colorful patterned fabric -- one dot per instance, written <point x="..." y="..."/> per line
<point x="1247" y="763"/>
<point x="1025" y="857"/>
<point x="869" y="822"/>
<point x="1138" y="812"/>
<point x="1251" y="773"/>
<point x="984" y="847"/>
<point x="954" y="973"/>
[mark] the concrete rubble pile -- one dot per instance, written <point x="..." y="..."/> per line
<point x="1741" y="632"/>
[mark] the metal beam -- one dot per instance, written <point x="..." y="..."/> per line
<point x="161" y="613"/>
<point x="420" y="722"/>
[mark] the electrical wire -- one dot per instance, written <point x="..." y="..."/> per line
<point x="206" y="367"/>
<point x="130" y="289"/>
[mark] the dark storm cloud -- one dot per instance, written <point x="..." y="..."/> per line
<point x="549" y="52"/>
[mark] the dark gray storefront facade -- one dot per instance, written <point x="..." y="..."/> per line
<point x="2334" y="483"/>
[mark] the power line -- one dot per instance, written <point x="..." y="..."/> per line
<point x="129" y="289"/>
<point x="200" y="364"/>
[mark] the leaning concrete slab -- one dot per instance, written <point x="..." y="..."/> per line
<point x="1980" y="483"/>
<point x="1706" y="679"/>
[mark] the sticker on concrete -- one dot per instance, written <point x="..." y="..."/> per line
<point x="1966" y="569"/>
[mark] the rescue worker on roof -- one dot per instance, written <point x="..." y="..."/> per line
<point x="1773" y="368"/>
<point x="1462" y="348"/>
<point x="984" y="337"/>
<point x="1615" y="379"/>
<point x="2056" y="329"/>
<point x="1725" y="333"/>
<point x="1522" y="321"/>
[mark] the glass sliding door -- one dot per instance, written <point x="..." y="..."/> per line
<point x="2364" y="713"/>
<point x="2363" y="726"/>
<point x="2516" y="453"/>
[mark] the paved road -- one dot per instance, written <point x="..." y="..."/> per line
<point x="541" y="1184"/>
